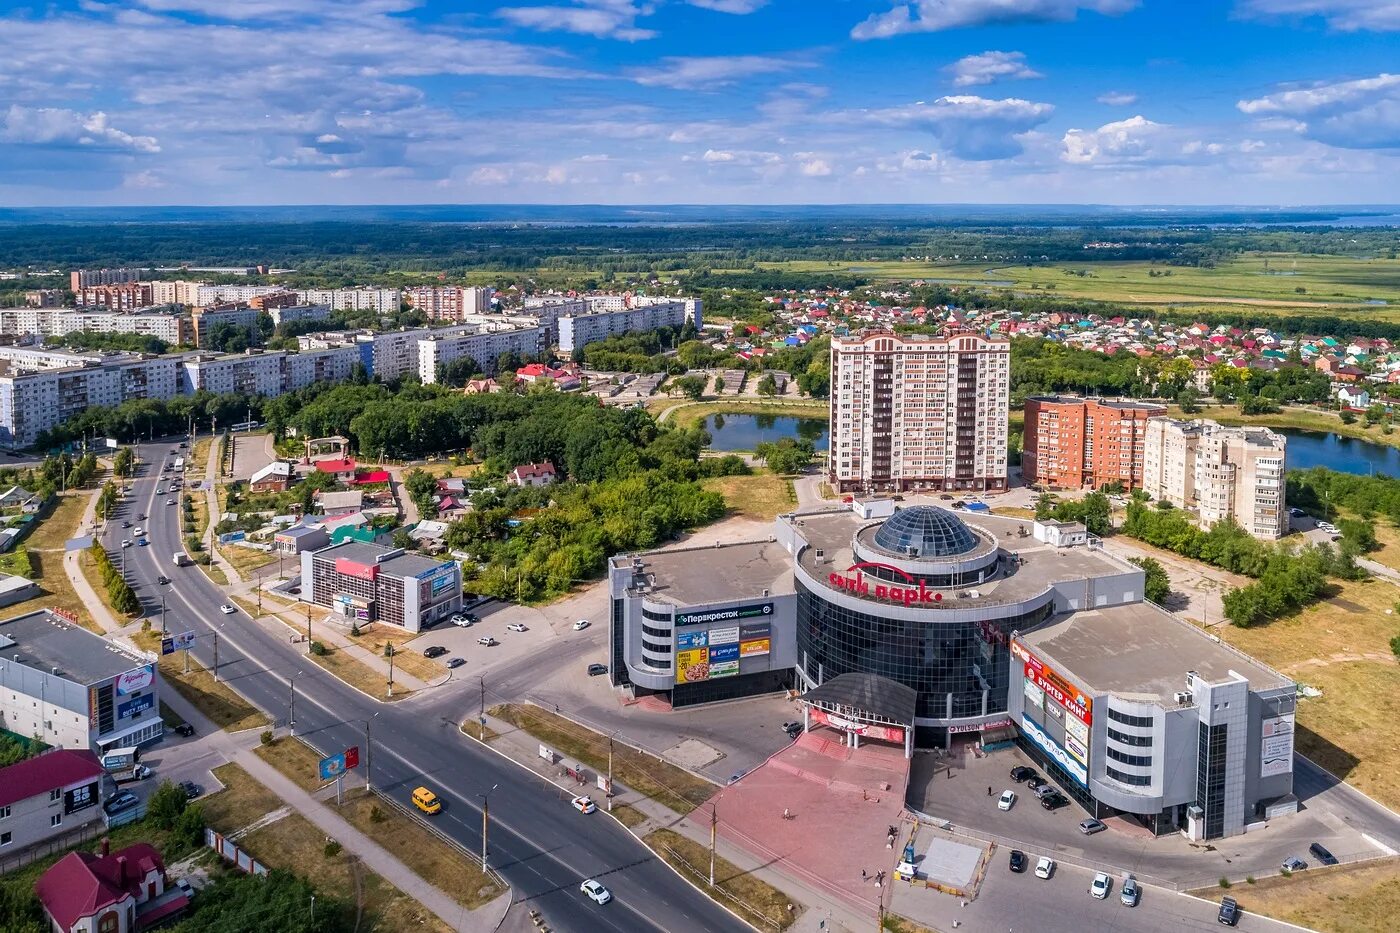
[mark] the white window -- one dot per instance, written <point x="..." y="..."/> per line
<point x="56" y="819"/>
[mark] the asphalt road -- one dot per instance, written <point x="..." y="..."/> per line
<point x="541" y="846"/>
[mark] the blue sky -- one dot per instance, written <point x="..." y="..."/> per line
<point x="700" y="101"/>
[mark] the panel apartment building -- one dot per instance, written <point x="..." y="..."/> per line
<point x="1222" y="472"/>
<point x="80" y="279"/>
<point x="1074" y="443"/>
<point x="449" y="302"/>
<point x="54" y="322"/>
<point x="484" y="343"/>
<point x="610" y="315"/>
<point x="919" y="412"/>
<point x="41" y="389"/>
<point x="266" y="373"/>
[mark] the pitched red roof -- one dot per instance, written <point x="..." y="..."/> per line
<point x="528" y="470"/>
<point x="80" y="884"/>
<point x="46" y="772"/>
<point x="335" y="466"/>
<point x="373" y="476"/>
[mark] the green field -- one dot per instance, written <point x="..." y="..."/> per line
<point x="1270" y="280"/>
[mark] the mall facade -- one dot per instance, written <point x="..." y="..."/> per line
<point x="956" y="611"/>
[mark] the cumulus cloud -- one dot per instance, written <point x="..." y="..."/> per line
<point x="1359" y="114"/>
<point x="740" y="157"/>
<point x="604" y="19"/>
<point x="1117" y="99"/>
<point x="969" y="127"/>
<point x="988" y="67"/>
<point x="52" y="126"/>
<point x="937" y="15"/>
<point x="813" y="167"/>
<point x="1344" y="15"/>
<point x="691" y="72"/>
<point x="1138" y="142"/>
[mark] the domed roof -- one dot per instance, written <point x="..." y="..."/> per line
<point x="931" y="531"/>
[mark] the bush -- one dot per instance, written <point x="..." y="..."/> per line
<point x="267" y="738"/>
<point x="376" y="815"/>
<point x="1395" y="646"/>
<point x="355" y="630"/>
<point x="317" y="648"/>
<point x="1224" y="882"/>
<point x="166" y="805"/>
<point x="332" y="849"/>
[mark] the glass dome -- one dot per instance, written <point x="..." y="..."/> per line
<point x="931" y="531"/>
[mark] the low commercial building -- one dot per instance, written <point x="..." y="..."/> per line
<point x="301" y="538"/>
<point x="47" y="796"/>
<point x="1074" y="443"/>
<point x="1234" y="473"/>
<point x="372" y="583"/>
<point x="16" y="589"/>
<point x="73" y="689"/>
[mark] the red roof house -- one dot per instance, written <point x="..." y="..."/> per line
<point x="532" y="474"/>
<point x="343" y="470"/>
<point x="43" y="773"/>
<point x="371" y="476"/>
<point x="120" y="893"/>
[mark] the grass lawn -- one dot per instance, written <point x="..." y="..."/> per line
<point x="216" y="700"/>
<point x="298" y="762"/>
<point x="60" y="524"/>
<point x="358" y="674"/>
<point x="199" y="457"/>
<point x="675" y="787"/>
<point x="43" y="551"/>
<point x="296" y="844"/>
<point x="242" y="802"/>
<point x="17" y="562"/>
<point x="1341" y="646"/>
<point x="245" y="559"/>
<point x="374" y="636"/>
<point x="1357" y="899"/>
<point x="629" y="815"/>
<point x="473" y="728"/>
<point x="437" y="862"/>
<point x="762" y="495"/>
<point x="749" y="893"/>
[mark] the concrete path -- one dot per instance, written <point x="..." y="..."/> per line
<point x="211" y="493"/>
<point x="86" y="594"/>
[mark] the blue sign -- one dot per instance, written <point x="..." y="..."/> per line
<point x="332" y="766"/>
<point x="729" y="652"/>
<point x="135" y="707"/>
<point x="687" y="640"/>
<point x="1048" y="745"/>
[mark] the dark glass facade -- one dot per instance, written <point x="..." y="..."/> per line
<point x="1210" y="777"/>
<point x="730" y="688"/>
<point x="617" y="670"/>
<point x="968" y="662"/>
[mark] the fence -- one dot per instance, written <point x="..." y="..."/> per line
<point x="52" y="846"/>
<point x="427" y="824"/>
<point x="716" y="890"/>
<point x="231" y="851"/>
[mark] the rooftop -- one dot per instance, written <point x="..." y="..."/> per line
<point x="45" y="641"/>
<point x="43" y="773"/>
<point x="1141" y="651"/>
<point x="687" y="576"/>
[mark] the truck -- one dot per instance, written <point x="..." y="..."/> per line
<point x="127" y="775"/>
<point x="182" y="559"/>
<point x="124" y="764"/>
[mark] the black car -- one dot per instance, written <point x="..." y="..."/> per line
<point x="126" y="524"/>
<point x="191" y="789"/>
<point x="185" y="729"/>
<point x="1018" y="861"/>
<point x="435" y="651"/>
<point x="1054" y="801"/>
<point x="595" y="669"/>
<point x="1035" y="782"/>
<point x="793" y="729"/>
<point x="1321" y="854"/>
<point x="163" y="580"/>
<point x="1022" y="773"/>
<point x="1229" y="912"/>
<point x="456" y="662"/>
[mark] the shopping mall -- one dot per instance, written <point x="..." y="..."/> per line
<point x="1006" y="630"/>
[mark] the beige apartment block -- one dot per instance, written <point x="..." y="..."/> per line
<point x="1222" y="472"/>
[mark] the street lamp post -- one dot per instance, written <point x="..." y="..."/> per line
<point x="369" y="751"/>
<point x="485" y="811"/>
<point x="292" y="703"/>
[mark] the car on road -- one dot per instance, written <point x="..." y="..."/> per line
<point x="191" y="789"/>
<point x="1007" y="800"/>
<point x="426" y="800"/>
<point x="456" y="662"/>
<point x="460" y="620"/>
<point x="126" y="542"/>
<point x="1101" y="885"/>
<point x="1045" y="867"/>
<point x="584" y="804"/>
<point x="163" y="580"/>
<point x="184" y="729"/>
<point x="595" y="669"/>
<point x="1018" y="861"/>
<point x="141" y="517"/>
<point x="946" y="498"/>
<point x="1296" y="512"/>
<point x="1089" y="827"/>
<point x="1022" y="773"/>
<point x="1327" y="527"/>
<point x="138" y="532"/>
<point x="227" y="610"/>
<point x="1294" y="863"/>
<point x="169" y="501"/>
<point x="121" y="803"/>
<point x="1320" y="853"/>
<point x="581" y="624"/>
<point x="142" y="542"/>
<point x="487" y="641"/>
<point x="595" y="892"/>
<point x="1129" y="891"/>
<point x="1055" y="801"/>
<point x="126" y="524"/>
<point x="1229" y="913"/>
<point x="516" y="627"/>
<point x="434" y="651"/>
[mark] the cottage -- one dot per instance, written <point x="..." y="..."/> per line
<point x="277" y="476"/>
<point x="532" y="474"/>
<point x="342" y="470"/>
<point x="109" y="893"/>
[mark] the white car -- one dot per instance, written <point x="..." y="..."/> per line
<point x="487" y="641"/>
<point x="1008" y="797"/>
<point x="584" y="804"/>
<point x="516" y="627"/>
<point x="126" y="542"/>
<point x="138" y="532"/>
<point x="595" y="892"/>
<point x="1101" y="885"/>
<point x="460" y="621"/>
<point x="1327" y="527"/>
<point x="169" y="501"/>
<point x="1045" y="867"/>
<point x="580" y="625"/>
<point x="227" y="610"/>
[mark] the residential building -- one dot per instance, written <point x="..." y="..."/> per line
<point x="176" y="293"/>
<point x="55" y="322"/>
<point x="378" y="300"/>
<point x="49" y="795"/>
<point x="44" y="298"/>
<point x="267" y="373"/>
<point x="124" y="892"/>
<point x="74" y="689"/>
<point x="205" y="295"/>
<point x="36" y="400"/>
<point x="575" y="331"/>
<point x="80" y="279"/>
<point x="561" y="379"/>
<point x="484" y="344"/>
<point x="1073" y="443"/>
<point x="449" y="302"/>
<point x="1357" y="399"/>
<point x="919" y="412"/>
<point x="370" y="582"/>
<point x="205" y="318"/>
<point x="339" y="502"/>
<point x="277" y="476"/>
<point x="272" y="300"/>
<point x="125" y="297"/>
<point x="1222" y="472"/>
<point x="532" y="474"/>
<point x="342" y="470"/>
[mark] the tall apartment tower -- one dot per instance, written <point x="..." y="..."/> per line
<point x="1073" y="443"/>
<point x="78" y="279"/>
<point x="1222" y="472"/>
<point x="919" y="412"/>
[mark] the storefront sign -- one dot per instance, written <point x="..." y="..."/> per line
<point x="1276" y="753"/>
<point x="1034" y="695"/>
<point x="351" y="568"/>
<point x="1071" y="767"/>
<point x="723" y="668"/>
<point x="688" y="640"/>
<point x="867" y="729"/>
<point x="853" y="581"/>
<point x="728" y="652"/>
<point x="1059" y="689"/>
<point x="80" y="798"/>
<point x="725" y="636"/>
<point x="1076" y="727"/>
<point x="753" y="611"/>
<point x="692" y="666"/>
<point x="753" y="649"/>
<point x="135" y="706"/>
<point x="134" y="680"/>
<point x="750" y="631"/>
<point x="978" y="726"/>
<point x="1077" y="749"/>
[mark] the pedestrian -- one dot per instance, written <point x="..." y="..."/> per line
<point x="989" y="790"/>
<point x="863" y="877"/>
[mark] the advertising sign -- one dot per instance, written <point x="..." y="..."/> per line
<point x="1077" y="749"/>
<point x="960" y="728"/>
<point x="685" y="641"/>
<point x="332" y="766"/>
<point x="725" y="636"/>
<point x="1073" y="768"/>
<point x="752" y="630"/>
<point x="692" y="666"/>
<point x="352" y="757"/>
<point x="1059" y="689"/>
<point x="753" y="611"/>
<point x="723" y="669"/>
<point x="180" y="641"/>
<point x="350" y="568"/>
<point x="1034" y="695"/>
<point x="853" y="581"/>
<point x="80" y="798"/>
<point x="1076" y="727"/>
<point x="138" y="679"/>
<point x="866" y="729"/>
<point x="1276" y="753"/>
<point x="754" y="649"/>
<point x="728" y="652"/>
<point x="135" y="706"/>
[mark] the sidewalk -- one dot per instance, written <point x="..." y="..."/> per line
<point x="211" y="493"/>
<point x="100" y="613"/>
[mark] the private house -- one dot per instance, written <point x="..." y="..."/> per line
<point x="277" y="476"/>
<point x="343" y="470"/>
<point x="532" y="474"/>
<point x="124" y="892"/>
<point x="46" y="796"/>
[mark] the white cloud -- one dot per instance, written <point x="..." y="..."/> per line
<point x="737" y="7"/>
<point x="740" y="157"/>
<point x="1117" y="99"/>
<point x="710" y="71"/>
<point x="988" y="67"/>
<point x="1344" y="15"/>
<point x="1138" y="142"/>
<point x="605" y="19"/>
<point x="814" y="168"/>
<point x="969" y="127"/>
<point x="1357" y="114"/>
<point x="243" y="10"/>
<point x="937" y="15"/>
<point x="52" y="126"/>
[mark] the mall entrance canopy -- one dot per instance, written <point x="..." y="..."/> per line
<point x="863" y="705"/>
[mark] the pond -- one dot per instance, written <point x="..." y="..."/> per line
<point x="745" y="432"/>
<point x="1307" y="449"/>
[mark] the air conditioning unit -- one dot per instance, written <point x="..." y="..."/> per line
<point x="1184" y="697"/>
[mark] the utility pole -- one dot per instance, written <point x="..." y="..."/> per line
<point x="369" y="751"/>
<point x="216" y="657"/>
<point x="162" y="613"/>
<point x="481" y="718"/>
<point x="292" y="704"/>
<point x="390" y="691"/>
<point x="610" y="787"/>
<point x="308" y="628"/>
<point x="485" y="819"/>
<point x="714" y="822"/>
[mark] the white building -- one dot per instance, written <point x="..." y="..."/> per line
<point x="919" y="412"/>
<point x="1222" y="472"/>
<point x="56" y="322"/>
<point x="378" y="300"/>
<point x="232" y="294"/>
<point x="578" y="330"/>
<point x="266" y="373"/>
<point x="484" y="345"/>
<point x="38" y="391"/>
<point x="307" y="312"/>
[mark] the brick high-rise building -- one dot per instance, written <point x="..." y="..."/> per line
<point x="80" y="279"/>
<point x="127" y="296"/>
<point x="1073" y="443"/>
<point x="919" y="412"/>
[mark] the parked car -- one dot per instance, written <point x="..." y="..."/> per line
<point x="138" y="532"/>
<point x="460" y="620"/>
<point x="1018" y="861"/>
<point x="1007" y="800"/>
<point x="434" y="651"/>
<point x="1045" y="789"/>
<point x="121" y="803"/>
<point x="191" y="789"/>
<point x="426" y="800"/>
<point x="1022" y="773"/>
<point x="584" y="804"/>
<point x="1229" y="913"/>
<point x="1101" y="885"/>
<point x="1036" y="783"/>
<point x="1294" y="863"/>
<point x="487" y="641"/>
<point x="595" y="892"/>
<point x="169" y="501"/>
<point x="456" y="662"/>
<point x="1045" y="867"/>
<point x="1089" y="827"/>
<point x="1296" y="512"/>
<point x="581" y="624"/>
<point x="1055" y="801"/>
<point x="1129" y="891"/>
<point x="595" y="669"/>
<point x="516" y="627"/>
<point x="1320" y="853"/>
<point x="793" y="729"/>
<point x="184" y="729"/>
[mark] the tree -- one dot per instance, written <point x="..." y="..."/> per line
<point x="1348" y="417"/>
<point x="239" y="902"/>
<point x="768" y="386"/>
<point x="692" y="387"/>
<point x="421" y="487"/>
<point x="1188" y="400"/>
<point x="719" y="385"/>
<point x="456" y="373"/>
<point x="165" y="806"/>
<point x="1157" y="586"/>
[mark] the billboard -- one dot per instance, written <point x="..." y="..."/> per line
<point x="180" y="641"/>
<point x="692" y="666"/>
<point x="1076" y="727"/>
<point x="332" y="766"/>
<point x="685" y="641"/>
<point x="751" y="611"/>
<point x="729" y="652"/>
<point x="135" y="706"/>
<point x="1071" y="767"/>
<point x="1077" y="749"/>
<point x="1276" y="751"/>
<point x="751" y="630"/>
<point x="724" y="636"/>
<point x="865" y="729"/>
<point x="723" y="669"/>
<point x="754" y="649"/>
<point x="1034" y="695"/>
<point x="80" y="798"/>
<point x="1059" y="689"/>
<point x="137" y="679"/>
